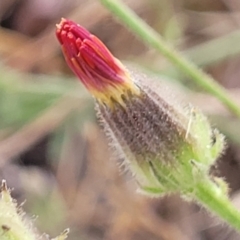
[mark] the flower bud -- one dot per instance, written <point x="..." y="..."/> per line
<point x="167" y="147"/>
<point x="102" y="74"/>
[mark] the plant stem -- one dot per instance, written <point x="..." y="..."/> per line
<point x="215" y="200"/>
<point x="153" y="39"/>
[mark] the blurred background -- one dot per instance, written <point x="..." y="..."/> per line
<point x="52" y="152"/>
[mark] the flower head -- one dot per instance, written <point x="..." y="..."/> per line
<point x="102" y="74"/>
<point x="167" y="147"/>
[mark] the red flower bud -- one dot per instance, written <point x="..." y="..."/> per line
<point x="102" y="74"/>
<point x="162" y="142"/>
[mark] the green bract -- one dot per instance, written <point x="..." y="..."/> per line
<point x="13" y="226"/>
<point x="167" y="147"/>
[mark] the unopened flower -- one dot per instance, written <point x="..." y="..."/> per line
<point x="101" y="73"/>
<point x="168" y="148"/>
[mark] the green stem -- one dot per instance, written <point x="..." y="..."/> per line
<point x="153" y="39"/>
<point x="213" y="198"/>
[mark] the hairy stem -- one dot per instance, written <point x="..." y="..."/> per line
<point x="216" y="201"/>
